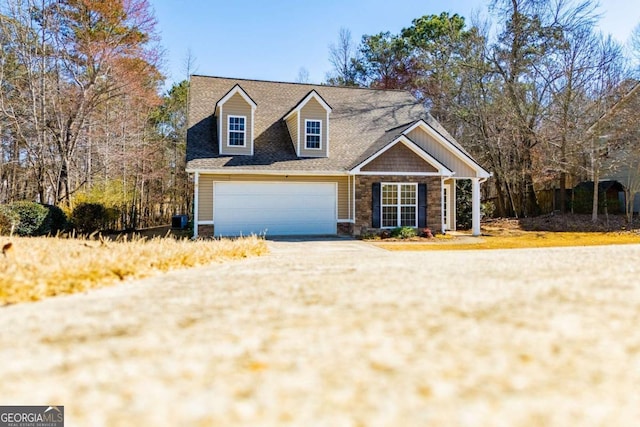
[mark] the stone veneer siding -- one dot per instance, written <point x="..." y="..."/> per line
<point x="205" y="230"/>
<point x="363" y="199"/>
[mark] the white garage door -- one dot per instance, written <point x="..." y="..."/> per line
<point x="274" y="208"/>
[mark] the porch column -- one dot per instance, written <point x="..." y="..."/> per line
<point x="196" y="180"/>
<point x="442" y="207"/>
<point x="475" y="206"/>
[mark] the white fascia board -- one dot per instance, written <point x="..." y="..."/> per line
<point x="613" y="108"/>
<point x="404" y="174"/>
<point x="451" y="147"/>
<point x="312" y="94"/>
<point x="237" y="89"/>
<point x="318" y="98"/>
<point x="442" y="169"/>
<point x="269" y="172"/>
<point x="291" y="113"/>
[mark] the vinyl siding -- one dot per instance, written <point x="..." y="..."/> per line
<point x="313" y="110"/>
<point x="398" y="158"/>
<point x="205" y="196"/>
<point x="236" y="106"/>
<point x="442" y="154"/>
<point x="292" y="125"/>
<point x="205" y="207"/>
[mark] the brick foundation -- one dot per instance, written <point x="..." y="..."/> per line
<point x="205" y="230"/>
<point x="345" y="228"/>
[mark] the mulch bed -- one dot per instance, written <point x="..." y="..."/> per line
<point x="567" y="222"/>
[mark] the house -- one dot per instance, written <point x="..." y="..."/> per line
<point x="617" y="132"/>
<point x="289" y="158"/>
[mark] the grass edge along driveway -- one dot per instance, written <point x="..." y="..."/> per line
<point x="514" y="240"/>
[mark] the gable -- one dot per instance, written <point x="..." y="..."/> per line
<point x="236" y="90"/>
<point x="446" y="153"/>
<point x="399" y="158"/>
<point x="402" y="155"/>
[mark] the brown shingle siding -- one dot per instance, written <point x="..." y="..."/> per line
<point x="398" y="158"/>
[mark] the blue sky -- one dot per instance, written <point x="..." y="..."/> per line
<point x="273" y="39"/>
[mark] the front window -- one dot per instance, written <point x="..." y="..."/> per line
<point x="236" y="130"/>
<point x="399" y="205"/>
<point x="313" y="133"/>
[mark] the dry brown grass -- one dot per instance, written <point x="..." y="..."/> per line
<point x="516" y="239"/>
<point x="36" y="268"/>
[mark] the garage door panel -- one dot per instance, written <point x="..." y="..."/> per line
<point x="274" y="208"/>
<point x="251" y="201"/>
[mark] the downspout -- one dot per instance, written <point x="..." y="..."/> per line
<point x="196" y="181"/>
<point x="353" y="201"/>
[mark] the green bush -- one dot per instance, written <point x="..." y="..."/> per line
<point x="403" y="233"/>
<point x="487" y="209"/>
<point x="464" y="204"/>
<point x="55" y="221"/>
<point x="31" y="214"/>
<point x="8" y="219"/>
<point x="89" y="217"/>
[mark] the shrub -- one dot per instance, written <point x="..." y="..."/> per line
<point x="8" y="219"/>
<point x="403" y="233"/>
<point x="487" y="209"/>
<point x="426" y="232"/>
<point x="55" y="221"/>
<point x="88" y="217"/>
<point x="31" y="214"/>
<point x="463" y="204"/>
<point x="384" y="234"/>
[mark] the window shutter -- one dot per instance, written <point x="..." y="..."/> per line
<point x="375" y="205"/>
<point x="422" y="205"/>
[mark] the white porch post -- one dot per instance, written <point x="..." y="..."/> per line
<point x="475" y="206"/>
<point x="442" y="207"/>
<point x="196" y="180"/>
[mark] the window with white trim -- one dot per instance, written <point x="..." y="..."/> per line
<point x="236" y="130"/>
<point x="313" y="134"/>
<point x="399" y="205"/>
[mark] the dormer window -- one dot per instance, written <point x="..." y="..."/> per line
<point x="308" y="125"/>
<point x="237" y="131"/>
<point x="313" y="134"/>
<point x="235" y="118"/>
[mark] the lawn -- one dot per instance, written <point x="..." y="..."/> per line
<point x="513" y="240"/>
<point x="36" y="268"/>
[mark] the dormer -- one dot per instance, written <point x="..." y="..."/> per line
<point x="308" y="124"/>
<point x="235" y="118"/>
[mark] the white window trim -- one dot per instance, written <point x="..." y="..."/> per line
<point x="243" y="132"/>
<point x="306" y="147"/>
<point x="398" y="205"/>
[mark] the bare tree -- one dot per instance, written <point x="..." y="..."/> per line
<point x="343" y="57"/>
<point x="634" y="48"/>
<point x="303" y="75"/>
<point x="572" y="70"/>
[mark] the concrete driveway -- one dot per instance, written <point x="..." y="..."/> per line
<point x="340" y="333"/>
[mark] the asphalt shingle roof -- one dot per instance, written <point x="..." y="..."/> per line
<point x="362" y="121"/>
